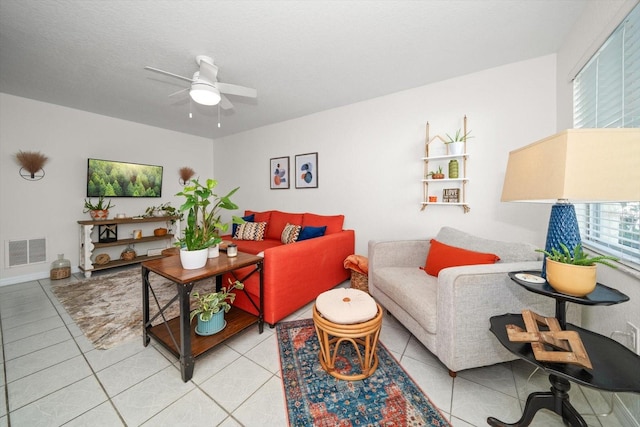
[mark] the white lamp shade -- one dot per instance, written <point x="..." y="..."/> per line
<point x="580" y="165"/>
<point x="204" y="94"/>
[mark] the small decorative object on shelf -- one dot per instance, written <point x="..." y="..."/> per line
<point x="160" y="231"/>
<point x="98" y="211"/>
<point x="451" y="195"/>
<point x="128" y="254"/>
<point x="437" y="175"/>
<point x="453" y="169"/>
<point x="102" y="259"/>
<point x="60" y="268"/>
<point x="107" y="233"/>
<point x="433" y="199"/>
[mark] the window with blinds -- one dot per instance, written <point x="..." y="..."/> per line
<point x="606" y="93"/>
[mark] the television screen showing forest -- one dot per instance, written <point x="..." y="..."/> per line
<point x="120" y="179"/>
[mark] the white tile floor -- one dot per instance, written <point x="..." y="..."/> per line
<point x="51" y="376"/>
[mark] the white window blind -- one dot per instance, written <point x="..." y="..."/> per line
<point x="606" y="93"/>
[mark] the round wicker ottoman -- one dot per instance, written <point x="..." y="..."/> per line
<point x="352" y="316"/>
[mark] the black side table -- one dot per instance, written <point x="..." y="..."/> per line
<point x="615" y="367"/>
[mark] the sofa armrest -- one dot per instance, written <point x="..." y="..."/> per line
<point x="468" y="297"/>
<point x="399" y="253"/>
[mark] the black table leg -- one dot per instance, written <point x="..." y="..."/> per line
<point x="556" y="400"/>
<point x="145" y="305"/>
<point x="187" y="361"/>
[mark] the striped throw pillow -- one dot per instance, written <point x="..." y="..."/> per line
<point x="250" y="231"/>
<point x="290" y="233"/>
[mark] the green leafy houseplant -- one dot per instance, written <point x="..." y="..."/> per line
<point x="209" y="304"/>
<point x="99" y="206"/>
<point x="573" y="273"/>
<point x="437" y="175"/>
<point x="203" y="209"/>
<point x="578" y="257"/>
<point x="458" y="137"/>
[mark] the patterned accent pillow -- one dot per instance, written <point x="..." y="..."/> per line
<point x="250" y="231"/>
<point x="290" y="233"/>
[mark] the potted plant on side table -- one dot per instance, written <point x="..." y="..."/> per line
<point x="210" y="308"/>
<point x="98" y="211"/>
<point x="203" y="226"/>
<point x="573" y="273"/>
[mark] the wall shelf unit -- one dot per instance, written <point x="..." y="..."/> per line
<point x="445" y="191"/>
<point x="89" y="245"/>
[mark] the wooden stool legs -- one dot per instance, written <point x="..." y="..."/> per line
<point x="361" y="335"/>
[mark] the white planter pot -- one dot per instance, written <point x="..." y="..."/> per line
<point x="214" y="251"/>
<point x="192" y="260"/>
<point x="456" y="148"/>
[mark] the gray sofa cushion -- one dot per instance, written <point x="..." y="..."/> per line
<point x="507" y="251"/>
<point x="412" y="289"/>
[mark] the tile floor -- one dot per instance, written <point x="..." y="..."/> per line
<point x="56" y="377"/>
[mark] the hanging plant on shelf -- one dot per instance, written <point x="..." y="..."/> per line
<point x="437" y="175"/>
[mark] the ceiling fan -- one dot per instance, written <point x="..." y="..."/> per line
<point x="205" y="88"/>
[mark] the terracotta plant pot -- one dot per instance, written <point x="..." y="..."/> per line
<point x="575" y="280"/>
<point x="437" y="176"/>
<point x="100" y="214"/>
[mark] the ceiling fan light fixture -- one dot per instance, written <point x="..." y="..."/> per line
<point x="204" y="94"/>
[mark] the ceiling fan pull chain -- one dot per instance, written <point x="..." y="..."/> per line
<point x="218" y="115"/>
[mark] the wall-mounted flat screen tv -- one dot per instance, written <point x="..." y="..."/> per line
<point x="110" y="178"/>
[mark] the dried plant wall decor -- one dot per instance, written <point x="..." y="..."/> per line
<point x="32" y="163"/>
<point x="186" y="174"/>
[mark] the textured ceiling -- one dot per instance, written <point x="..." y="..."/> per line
<point x="301" y="56"/>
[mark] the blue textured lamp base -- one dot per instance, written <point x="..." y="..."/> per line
<point x="563" y="228"/>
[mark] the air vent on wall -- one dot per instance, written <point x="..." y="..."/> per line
<point x="24" y="252"/>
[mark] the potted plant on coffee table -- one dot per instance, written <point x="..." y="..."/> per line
<point x="573" y="273"/>
<point x="211" y="307"/>
<point x="99" y="210"/>
<point x="203" y="226"/>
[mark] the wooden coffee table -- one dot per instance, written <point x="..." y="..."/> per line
<point x="178" y="335"/>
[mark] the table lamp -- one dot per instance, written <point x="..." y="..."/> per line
<point x="575" y="165"/>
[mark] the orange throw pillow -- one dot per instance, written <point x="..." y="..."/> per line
<point x="442" y="256"/>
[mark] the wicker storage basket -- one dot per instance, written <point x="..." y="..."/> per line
<point x="359" y="281"/>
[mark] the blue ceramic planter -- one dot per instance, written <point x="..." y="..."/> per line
<point x="212" y="326"/>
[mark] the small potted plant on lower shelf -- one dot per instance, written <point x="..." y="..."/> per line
<point x="437" y="175"/>
<point x="99" y="210"/>
<point x="211" y="307"/>
<point x="573" y="273"/>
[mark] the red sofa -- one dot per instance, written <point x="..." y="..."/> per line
<point x="294" y="273"/>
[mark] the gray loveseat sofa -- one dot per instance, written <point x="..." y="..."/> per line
<point x="450" y="313"/>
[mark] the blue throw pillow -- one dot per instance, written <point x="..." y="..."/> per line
<point x="311" y="232"/>
<point x="248" y="218"/>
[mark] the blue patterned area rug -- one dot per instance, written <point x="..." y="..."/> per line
<point x="389" y="397"/>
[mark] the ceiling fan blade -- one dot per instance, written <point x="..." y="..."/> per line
<point x="208" y="71"/>
<point x="225" y="104"/>
<point x="157" y="70"/>
<point x="178" y="92"/>
<point x="236" y="90"/>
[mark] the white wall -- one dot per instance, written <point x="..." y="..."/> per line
<point x="52" y="206"/>
<point x="369" y="156"/>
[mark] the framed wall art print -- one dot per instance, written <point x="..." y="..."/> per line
<point x="306" y="171"/>
<point x="279" y="173"/>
